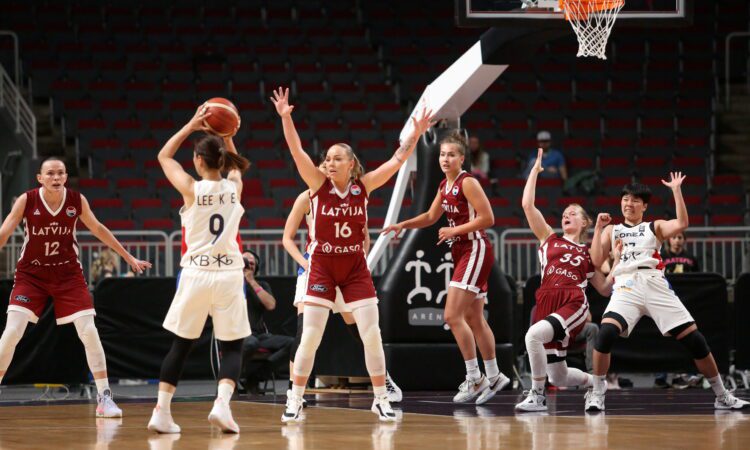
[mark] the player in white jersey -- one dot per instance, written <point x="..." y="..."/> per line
<point x="211" y="279"/>
<point x="640" y="289"/>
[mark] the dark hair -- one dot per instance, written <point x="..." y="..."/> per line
<point x="458" y="139"/>
<point x="478" y="154"/>
<point x="50" y="158"/>
<point x="247" y="262"/>
<point x="637" y="190"/>
<point x="211" y="149"/>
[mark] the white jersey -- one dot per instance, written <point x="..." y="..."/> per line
<point x="210" y="227"/>
<point x="640" y="248"/>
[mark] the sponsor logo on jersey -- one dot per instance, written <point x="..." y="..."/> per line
<point x="455" y="190"/>
<point x="560" y="271"/>
<point x="340" y="249"/>
<point x="219" y="260"/>
<point x="327" y="248"/>
<point x="318" y="288"/>
<point x="22" y="299"/>
<point x="71" y="211"/>
<point x="37" y="213"/>
<point x="355" y="189"/>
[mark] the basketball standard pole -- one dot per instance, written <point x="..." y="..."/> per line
<point x="453" y="92"/>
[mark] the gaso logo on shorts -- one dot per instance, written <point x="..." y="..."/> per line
<point x="70" y="211"/>
<point x="22" y="299"/>
<point x="318" y="288"/>
<point x="355" y="190"/>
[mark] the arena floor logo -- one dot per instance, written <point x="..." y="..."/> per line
<point x="428" y="316"/>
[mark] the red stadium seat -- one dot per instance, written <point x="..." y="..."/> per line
<point x="158" y="224"/>
<point x="270" y="222"/>
<point x="507" y="222"/>
<point x="120" y="224"/>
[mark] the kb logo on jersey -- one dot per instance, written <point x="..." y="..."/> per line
<point x="355" y="190"/>
<point x="70" y="211"/>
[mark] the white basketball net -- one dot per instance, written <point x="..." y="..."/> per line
<point x="592" y="22"/>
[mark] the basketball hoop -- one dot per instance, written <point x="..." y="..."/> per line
<point x="592" y="21"/>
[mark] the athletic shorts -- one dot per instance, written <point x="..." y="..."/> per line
<point x="647" y="293"/>
<point x="473" y="262"/>
<point x="570" y="309"/>
<point x="301" y="290"/>
<point x="33" y="286"/>
<point x="202" y="293"/>
<point x="347" y="272"/>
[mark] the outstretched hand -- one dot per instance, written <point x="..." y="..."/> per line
<point x="538" y="163"/>
<point x="280" y="100"/>
<point x="138" y="265"/>
<point x="197" y="122"/>
<point x="396" y="228"/>
<point x="423" y="123"/>
<point x="675" y="180"/>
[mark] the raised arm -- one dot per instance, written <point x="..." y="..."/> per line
<point x="12" y="220"/>
<point x="381" y="175"/>
<point x="601" y="243"/>
<point x="313" y="177"/>
<point x="538" y="225"/>
<point x="301" y="205"/>
<point x="176" y="175"/>
<point x="478" y="200"/>
<point x="103" y="234"/>
<point x="603" y="283"/>
<point x="665" y="229"/>
<point x="423" y="220"/>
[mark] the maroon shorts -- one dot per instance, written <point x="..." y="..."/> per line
<point x="473" y="262"/>
<point x="349" y="272"/>
<point x="569" y="308"/>
<point x="33" y="286"/>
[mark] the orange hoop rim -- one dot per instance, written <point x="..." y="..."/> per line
<point x="588" y="6"/>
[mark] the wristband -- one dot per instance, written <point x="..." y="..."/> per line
<point x="258" y="290"/>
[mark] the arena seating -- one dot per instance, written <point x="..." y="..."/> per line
<point x="124" y="78"/>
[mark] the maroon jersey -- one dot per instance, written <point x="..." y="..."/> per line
<point x="338" y="219"/>
<point x="49" y="236"/>
<point x="457" y="208"/>
<point x="564" y="263"/>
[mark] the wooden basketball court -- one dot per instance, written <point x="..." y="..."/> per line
<point x="639" y="419"/>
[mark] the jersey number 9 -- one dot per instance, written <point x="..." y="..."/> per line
<point x="216" y="226"/>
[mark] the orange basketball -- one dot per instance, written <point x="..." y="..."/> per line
<point x="224" y="116"/>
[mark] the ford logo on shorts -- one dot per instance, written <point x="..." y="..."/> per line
<point x="318" y="288"/>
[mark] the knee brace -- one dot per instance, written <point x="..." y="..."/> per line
<point x="371" y="338"/>
<point x="14" y="328"/>
<point x="608" y="334"/>
<point x="89" y="336"/>
<point x="171" y="367"/>
<point x="312" y="333"/>
<point x="297" y="337"/>
<point x="231" y="359"/>
<point x="696" y="343"/>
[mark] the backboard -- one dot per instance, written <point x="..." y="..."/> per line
<point x="547" y="14"/>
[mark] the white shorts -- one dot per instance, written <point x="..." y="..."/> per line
<point x="301" y="289"/>
<point x="200" y="293"/>
<point x="647" y="293"/>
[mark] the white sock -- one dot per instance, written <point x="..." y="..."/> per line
<point x="299" y="391"/>
<point x="472" y="369"/>
<point x="102" y="384"/>
<point x="164" y="401"/>
<point x="600" y="384"/>
<point x="379" y="391"/>
<point x="538" y="385"/>
<point x="490" y="368"/>
<point x="225" y="392"/>
<point x="717" y="385"/>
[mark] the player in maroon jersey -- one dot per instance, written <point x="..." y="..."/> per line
<point x="49" y="267"/>
<point x="461" y="198"/>
<point x="561" y="306"/>
<point x="337" y="259"/>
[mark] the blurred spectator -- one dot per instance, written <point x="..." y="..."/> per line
<point x="676" y="259"/>
<point x="553" y="160"/>
<point x="259" y="300"/>
<point x="105" y="265"/>
<point x="480" y="160"/>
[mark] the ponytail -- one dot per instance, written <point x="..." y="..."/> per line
<point x="216" y="156"/>
<point x="232" y="161"/>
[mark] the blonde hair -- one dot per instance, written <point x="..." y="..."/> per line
<point x="357" y="170"/>
<point x="588" y="222"/>
<point x="458" y="139"/>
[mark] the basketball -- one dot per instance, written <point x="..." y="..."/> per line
<point x="224" y="116"/>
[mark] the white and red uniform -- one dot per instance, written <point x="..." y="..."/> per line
<point x="472" y="253"/>
<point x="49" y="264"/>
<point x="211" y="280"/>
<point x="337" y="257"/>
<point x="640" y="287"/>
<point x="565" y="267"/>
